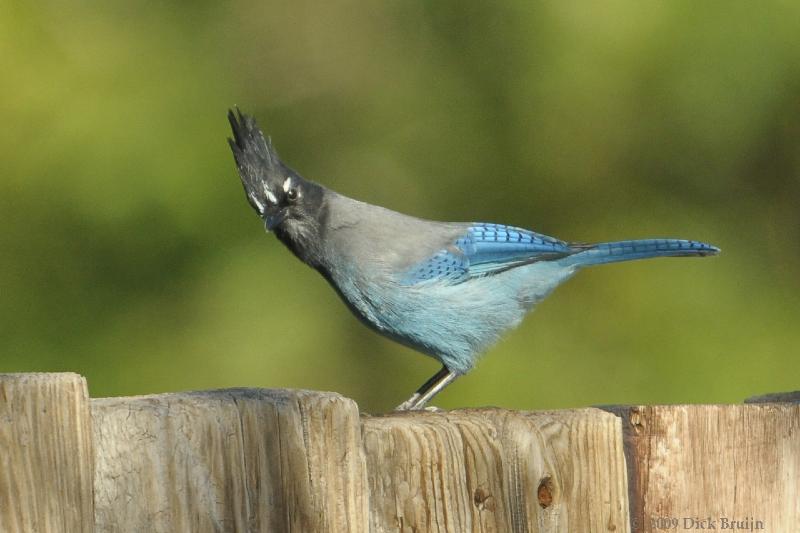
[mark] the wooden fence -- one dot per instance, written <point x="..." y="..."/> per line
<point x="289" y="460"/>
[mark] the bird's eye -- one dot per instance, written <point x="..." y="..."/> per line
<point x="292" y="195"/>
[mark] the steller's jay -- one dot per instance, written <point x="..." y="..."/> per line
<point x="447" y="289"/>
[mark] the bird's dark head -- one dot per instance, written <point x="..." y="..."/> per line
<point x="288" y="204"/>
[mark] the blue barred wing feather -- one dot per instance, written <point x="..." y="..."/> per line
<point x="487" y="249"/>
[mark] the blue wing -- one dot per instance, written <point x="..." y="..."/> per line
<point x="487" y="249"/>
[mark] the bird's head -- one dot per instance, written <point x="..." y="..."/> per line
<point x="288" y="204"/>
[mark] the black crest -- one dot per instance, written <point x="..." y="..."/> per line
<point x="260" y="168"/>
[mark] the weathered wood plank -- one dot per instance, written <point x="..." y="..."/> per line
<point x="232" y="460"/>
<point x="495" y="470"/>
<point x="45" y="453"/>
<point x="695" y="465"/>
<point x="282" y="460"/>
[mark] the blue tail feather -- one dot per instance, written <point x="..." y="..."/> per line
<point x="612" y="252"/>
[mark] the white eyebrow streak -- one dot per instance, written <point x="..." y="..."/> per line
<point x="268" y="193"/>
<point x="287" y="184"/>
<point x="255" y="201"/>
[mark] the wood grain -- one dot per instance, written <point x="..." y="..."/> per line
<point x="495" y="470"/>
<point x="232" y="460"/>
<point x="286" y="460"/>
<point x="693" y="463"/>
<point x="45" y="454"/>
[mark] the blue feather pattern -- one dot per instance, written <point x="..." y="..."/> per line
<point x="612" y="252"/>
<point x="486" y="249"/>
<point x="459" y="301"/>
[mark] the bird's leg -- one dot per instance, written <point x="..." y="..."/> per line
<point x="428" y="390"/>
<point x="434" y="390"/>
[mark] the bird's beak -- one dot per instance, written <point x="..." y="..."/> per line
<point x="272" y="220"/>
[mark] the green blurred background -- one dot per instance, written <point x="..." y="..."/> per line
<point x="130" y="255"/>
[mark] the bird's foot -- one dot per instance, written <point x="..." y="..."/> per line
<point x="410" y="404"/>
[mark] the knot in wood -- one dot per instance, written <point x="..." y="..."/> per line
<point x="637" y="420"/>
<point x="483" y="500"/>
<point x="545" y="492"/>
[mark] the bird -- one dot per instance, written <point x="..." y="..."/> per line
<point x="449" y="290"/>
